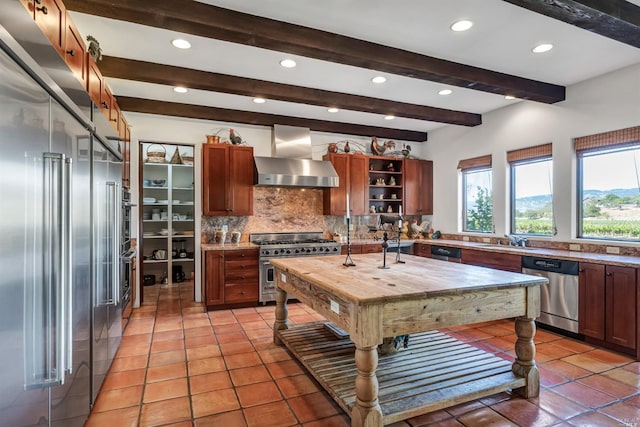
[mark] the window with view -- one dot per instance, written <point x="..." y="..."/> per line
<point x="531" y="191"/>
<point x="477" y="202"/>
<point x="609" y="193"/>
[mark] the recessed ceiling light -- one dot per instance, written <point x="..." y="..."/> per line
<point x="180" y="89"/>
<point x="288" y="63"/>
<point x="389" y="117"/>
<point x="332" y="110"/>
<point x="445" y="92"/>
<point x="259" y="100"/>
<point x="181" y="43"/>
<point x="541" y="48"/>
<point x="379" y="79"/>
<point x="462" y="25"/>
<point x="509" y="97"/>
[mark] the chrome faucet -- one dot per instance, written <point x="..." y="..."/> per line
<point x="516" y="240"/>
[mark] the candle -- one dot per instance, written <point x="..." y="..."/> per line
<point x="348" y="207"/>
<point x="400" y="210"/>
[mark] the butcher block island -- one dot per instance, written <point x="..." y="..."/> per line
<point x="417" y="297"/>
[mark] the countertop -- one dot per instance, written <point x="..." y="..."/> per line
<point x="621" y="260"/>
<point x="227" y="246"/>
<point x="597" y="258"/>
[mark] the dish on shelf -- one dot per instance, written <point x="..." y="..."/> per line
<point x="163" y="202"/>
<point x="176" y="201"/>
<point x="186" y="203"/>
<point x="164" y="232"/>
<point x="149" y="200"/>
<point x="158" y="182"/>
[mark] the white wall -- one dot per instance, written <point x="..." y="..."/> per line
<point x="602" y="104"/>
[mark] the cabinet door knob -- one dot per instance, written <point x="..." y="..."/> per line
<point x="581" y="270"/>
<point x="43" y="9"/>
<point x="71" y="53"/>
<point x="608" y="274"/>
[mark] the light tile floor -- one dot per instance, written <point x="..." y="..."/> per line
<point x="180" y="366"/>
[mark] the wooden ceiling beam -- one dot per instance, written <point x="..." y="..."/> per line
<point x="130" y="69"/>
<point x="218" y="23"/>
<point x="147" y="106"/>
<point x="616" y="19"/>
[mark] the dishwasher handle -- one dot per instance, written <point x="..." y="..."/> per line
<point x="560" y="266"/>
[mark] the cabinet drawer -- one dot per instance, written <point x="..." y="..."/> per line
<point x="240" y="292"/>
<point x="371" y="249"/>
<point x="500" y="261"/>
<point x="241" y="273"/>
<point x="422" y="250"/>
<point x="241" y="254"/>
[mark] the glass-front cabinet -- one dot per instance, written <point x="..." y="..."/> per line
<point x="167" y="213"/>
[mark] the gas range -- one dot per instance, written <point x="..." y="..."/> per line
<point x="279" y="245"/>
<point x="276" y="245"/>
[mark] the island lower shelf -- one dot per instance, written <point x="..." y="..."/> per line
<point x="436" y="371"/>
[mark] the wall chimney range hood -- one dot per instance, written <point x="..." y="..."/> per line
<point x="290" y="164"/>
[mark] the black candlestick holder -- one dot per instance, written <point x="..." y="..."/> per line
<point x="348" y="262"/>
<point x="385" y="245"/>
<point x="398" y="261"/>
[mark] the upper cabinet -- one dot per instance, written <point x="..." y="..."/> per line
<point x="352" y="174"/>
<point x="418" y="187"/>
<point x="75" y="52"/>
<point x="50" y="15"/>
<point x="227" y="174"/>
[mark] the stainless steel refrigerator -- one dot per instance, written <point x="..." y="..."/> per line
<point x="59" y="250"/>
<point x="106" y="303"/>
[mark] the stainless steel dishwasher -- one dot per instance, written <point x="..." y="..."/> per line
<point x="558" y="298"/>
<point x="446" y="253"/>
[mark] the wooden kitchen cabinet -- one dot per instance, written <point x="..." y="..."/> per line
<point x="497" y="260"/>
<point x="418" y="187"/>
<point x="50" y="15"/>
<point x="353" y="180"/>
<point x="227" y="173"/>
<point x="231" y="278"/>
<point x="608" y="305"/>
<point x="75" y="52"/>
<point x="94" y="80"/>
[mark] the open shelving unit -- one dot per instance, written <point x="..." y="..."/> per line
<point x="167" y="215"/>
<point x="385" y="185"/>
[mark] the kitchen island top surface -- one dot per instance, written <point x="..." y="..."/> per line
<point x="366" y="282"/>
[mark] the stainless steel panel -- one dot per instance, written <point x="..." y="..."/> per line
<point x="70" y="402"/>
<point x="24" y="137"/>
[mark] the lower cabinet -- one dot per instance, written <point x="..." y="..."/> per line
<point x="497" y="260"/>
<point x="231" y="278"/>
<point x="608" y="305"/>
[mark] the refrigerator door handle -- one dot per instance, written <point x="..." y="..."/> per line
<point x="113" y="250"/>
<point x="68" y="367"/>
<point x="43" y="311"/>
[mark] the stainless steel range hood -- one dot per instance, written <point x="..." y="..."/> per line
<point x="291" y="164"/>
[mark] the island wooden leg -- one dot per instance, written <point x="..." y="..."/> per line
<point x="367" y="411"/>
<point x="282" y="315"/>
<point x="525" y="364"/>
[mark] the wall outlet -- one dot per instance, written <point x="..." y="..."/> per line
<point x="574" y="247"/>
<point x="613" y="250"/>
<point x="486" y="240"/>
<point x="465" y="238"/>
<point x="335" y="307"/>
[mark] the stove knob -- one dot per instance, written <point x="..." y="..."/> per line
<point x="327" y="250"/>
<point x="335" y="249"/>
<point x="265" y="252"/>
<point x="276" y="252"/>
<point x="288" y="251"/>
<point x="308" y="250"/>
<point x="297" y="251"/>
<point x="314" y="249"/>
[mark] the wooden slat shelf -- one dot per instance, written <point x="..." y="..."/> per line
<point x="435" y="372"/>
